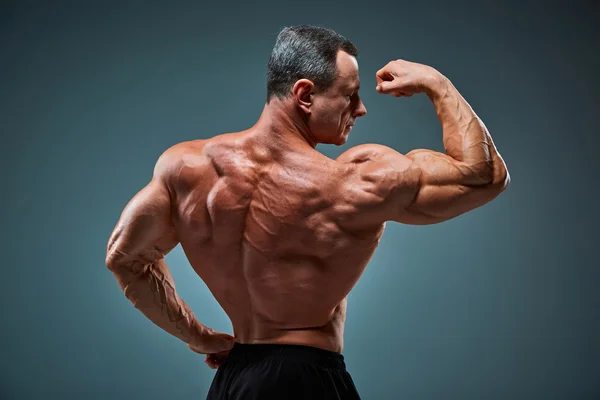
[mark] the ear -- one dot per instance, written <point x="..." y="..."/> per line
<point x="303" y="91"/>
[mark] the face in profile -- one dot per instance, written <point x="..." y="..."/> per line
<point x="335" y="110"/>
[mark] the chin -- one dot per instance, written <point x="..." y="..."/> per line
<point x="342" y="139"/>
<point x="338" y="140"/>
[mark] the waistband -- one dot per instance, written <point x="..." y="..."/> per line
<point x="252" y="353"/>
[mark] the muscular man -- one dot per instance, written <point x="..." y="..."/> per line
<point x="279" y="232"/>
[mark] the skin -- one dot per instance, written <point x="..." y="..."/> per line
<point x="280" y="233"/>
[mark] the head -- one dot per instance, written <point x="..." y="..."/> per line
<point x="316" y="72"/>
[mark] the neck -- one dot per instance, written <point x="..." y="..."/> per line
<point x="283" y="124"/>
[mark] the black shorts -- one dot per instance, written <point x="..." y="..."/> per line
<point x="282" y="371"/>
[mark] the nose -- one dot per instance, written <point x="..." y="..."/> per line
<point x="361" y="110"/>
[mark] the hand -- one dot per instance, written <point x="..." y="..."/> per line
<point x="404" y="78"/>
<point x="217" y="357"/>
<point x="212" y="342"/>
<point x="215" y="360"/>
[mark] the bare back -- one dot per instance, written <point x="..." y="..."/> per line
<point x="263" y="229"/>
<point x="280" y="233"/>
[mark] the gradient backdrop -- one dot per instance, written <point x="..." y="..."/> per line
<point x="501" y="303"/>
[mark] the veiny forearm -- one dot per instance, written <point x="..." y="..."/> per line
<point x="151" y="289"/>
<point x="465" y="136"/>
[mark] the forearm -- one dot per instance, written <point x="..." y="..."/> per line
<point x="151" y="289"/>
<point x="465" y="137"/>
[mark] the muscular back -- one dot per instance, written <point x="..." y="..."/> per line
<point x="280" y="233"/>
<point x="265" y="230"/>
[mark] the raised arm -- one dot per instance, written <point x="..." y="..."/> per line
<point x="135" y="254"/>
<point x="424" y="186"/>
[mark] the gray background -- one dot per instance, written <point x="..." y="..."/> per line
<point x="501" y="303"/>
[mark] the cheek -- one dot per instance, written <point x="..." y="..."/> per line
<point x="341" y="112"/>
<point x="345" y="115"/>
<point x="332" y="116"/>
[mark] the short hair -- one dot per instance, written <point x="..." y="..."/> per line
<point x="305" y="52"/>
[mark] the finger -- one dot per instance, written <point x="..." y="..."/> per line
<point x="228" y="337"/>
<point x="219" y="360"/>
<point x="220" y="342"/>
<point x="385" y="72"/>
<point x="384" y="87"/>
<point x="211" y="363"/>
<point x="195" y="350"/>
<point x="211" y="358"/>
<point x="211" y="366"/>
<point x="384" y="77"/>
<point x="216" y="359"/>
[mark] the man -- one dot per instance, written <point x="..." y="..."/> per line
<point x="280" y="233"/>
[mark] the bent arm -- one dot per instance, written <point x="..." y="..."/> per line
<point x="467" y="141"/>
<point x="425" y="186"/>
<point x="135" y="254"/>
<point x="445" y="188"/>
<point x="470" y="174"/>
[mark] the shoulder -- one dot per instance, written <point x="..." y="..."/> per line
<point x="184" y="166"/>
<point x="364" y="152"/>
<point x="378" y="177"/>
<point x="175" y="158"/>
<point x="376" y="162"/>
<point x="192" y="162"/>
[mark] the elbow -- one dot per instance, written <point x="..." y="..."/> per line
<point x="110" y="261"/>
<point x="110" y="257"/>
<point x="113" y="260"/>
<point x="495" y="174"/>
<point x="492" y="174"/>
<point x="506" y="180"/>
<point x="501" y="175"/>
<point x="115" y="256"/>
<point x="501" y="179"/>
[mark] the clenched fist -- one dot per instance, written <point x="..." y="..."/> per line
<point x="404" y="78"/>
